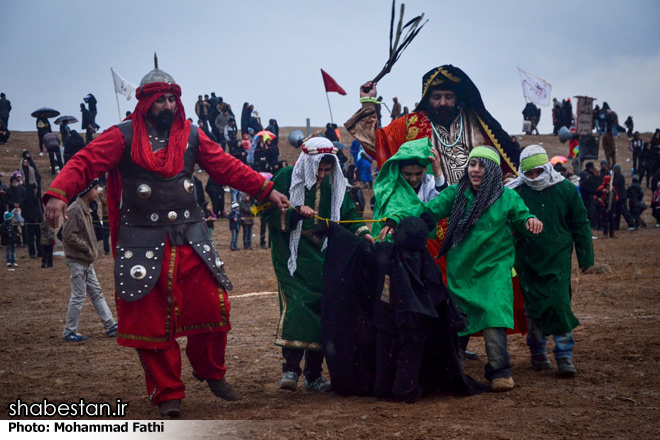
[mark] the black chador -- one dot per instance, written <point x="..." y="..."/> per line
<point x="389" y="323"/>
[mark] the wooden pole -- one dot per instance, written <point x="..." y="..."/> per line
<point x="118" y="110"/>
<point x="330" y="108"/>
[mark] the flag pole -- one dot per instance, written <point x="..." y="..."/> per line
<point x="118" y="110"/>
<point x="116" y="97"/>
<point x="330" y="108"/>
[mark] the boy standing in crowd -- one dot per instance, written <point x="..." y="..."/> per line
<point x="80" y="250"/>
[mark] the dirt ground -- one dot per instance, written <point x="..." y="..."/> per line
<point x="615" y="395"/>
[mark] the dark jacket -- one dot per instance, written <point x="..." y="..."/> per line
<point x="72" y="144"/>
<point x="16" y="194"/>
<point x="32" y="210"/>
<point x="7" y="233"/>
<point x="234" y="218"/>
<point x="619" y="185"/>
<point x="255" y="124"/>
<point x="635" y="195"/>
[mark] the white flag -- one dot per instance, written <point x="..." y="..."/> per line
<point x="122" y="86"/>
<point x="535" y="88"/>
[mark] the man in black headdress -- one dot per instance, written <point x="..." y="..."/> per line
<point x="451" y="113"/>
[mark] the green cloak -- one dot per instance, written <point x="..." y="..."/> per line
<point x="479" y="267"/>
<point x="300" y="295"/>
<point x="393" y="194"/>
<point x="543" y="261"/>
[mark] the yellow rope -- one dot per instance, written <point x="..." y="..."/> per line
<point x="327" y="220"/>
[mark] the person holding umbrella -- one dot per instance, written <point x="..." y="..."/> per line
<point x="43" y="127"/>
<point x="63" y="122"/>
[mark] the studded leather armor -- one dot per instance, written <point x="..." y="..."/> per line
<point x="153" y="208"/>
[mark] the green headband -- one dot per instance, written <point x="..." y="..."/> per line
<point x="484" y="152"/>
<point x="534" y="161"/>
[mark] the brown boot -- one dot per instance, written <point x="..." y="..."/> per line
<point x="220" y="388"/>
<point x="501" y="384"/>
<point x="171" y="409"/>
<point x="223" y="390"/>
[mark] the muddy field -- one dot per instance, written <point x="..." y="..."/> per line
<point x="615" y="395"/>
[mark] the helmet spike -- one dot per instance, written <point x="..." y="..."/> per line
<point x="157" y="75"/>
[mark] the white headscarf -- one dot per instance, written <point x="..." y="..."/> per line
<point x="546" y="179"/>
<point x="304" y="177"/>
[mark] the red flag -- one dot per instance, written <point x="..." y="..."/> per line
<point x="331" y="85"/>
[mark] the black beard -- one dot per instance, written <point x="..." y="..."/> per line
<point x="163" y="121"/>
<point x="443" y="115"/>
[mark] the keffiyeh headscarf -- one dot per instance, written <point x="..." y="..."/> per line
<point x="490" y="190"/>
<point x="304" y="177"/>
<point x="532" y="157"/>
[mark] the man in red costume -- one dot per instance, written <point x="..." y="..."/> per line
<point x="169" y="279"/>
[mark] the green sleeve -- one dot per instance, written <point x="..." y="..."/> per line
<point x="440" y="207"/>
<point x="276" y="219"/>
<point x="518" y="212"/>
<point x="580" y="229"/>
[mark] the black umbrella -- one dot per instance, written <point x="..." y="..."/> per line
<point x="45" y="112"/>
<point x="67" y="119"/>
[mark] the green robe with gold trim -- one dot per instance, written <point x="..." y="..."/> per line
<point x="300" y="295"/>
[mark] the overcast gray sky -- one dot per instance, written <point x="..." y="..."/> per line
<point x="269" y="53"/>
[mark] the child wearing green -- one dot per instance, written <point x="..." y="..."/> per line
<point x="543" y="262"/>
<point x="480" y="253"/>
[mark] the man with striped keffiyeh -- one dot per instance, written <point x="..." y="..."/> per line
<point x="480" y="253"/>
<point x="317" y="188"/>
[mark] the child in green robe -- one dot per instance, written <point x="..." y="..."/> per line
<point x="480" y="253"/>
<point x="543" y="262"/>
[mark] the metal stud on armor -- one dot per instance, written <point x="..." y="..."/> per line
<point x="144" y="191"/>
<point x="138" y="272"/>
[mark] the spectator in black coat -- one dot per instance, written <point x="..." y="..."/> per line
<point x="630" y="125"/>
<point x="33" y="213"/>
<point x="72" y="144"/>
<point x="330" y="132"/>
<point x="216" y="194"/>
<point x="619" y="184"/>
<point x="272" y="153"/>
<point x="646" y="164"/>
<point x="636" y="202"/>
<point x="255" y="121"/>
<point x="246" y="113"/>
<point x="43" y="127"/>
<point x="532" y="114"/>
<point x="275" y="129"/>
<point x="3" y="198"/>
<point x="91" y="104"/>
<point x="88" y="124"/>
<point x="4" y="133"/>
<point x="16" y="193"/>
<point x="590" y="180"/>
<point x="567" y="112"/>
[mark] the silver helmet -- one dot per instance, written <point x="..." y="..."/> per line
<point x="157" y="75"/>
